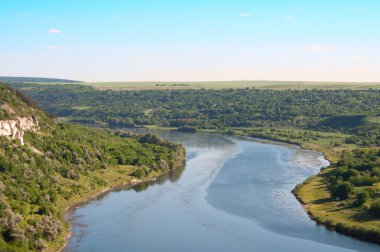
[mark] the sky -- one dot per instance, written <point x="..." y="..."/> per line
<point x="191" y="40"/>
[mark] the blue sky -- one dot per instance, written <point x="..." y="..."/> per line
<point x="166" y="40"/>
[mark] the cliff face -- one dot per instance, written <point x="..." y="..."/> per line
<point x="16" y="128"/>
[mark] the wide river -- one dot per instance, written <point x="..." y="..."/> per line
<point x="233" y="195"/>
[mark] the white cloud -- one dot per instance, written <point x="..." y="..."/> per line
<point x="358" y="58"/>
<point x="318" y="48"/>
<point x="54" y="31"/>
<point x="245" y="14"/>
<point x="289" y="17"/>
<point x="52" y="47"/>
<point x="140" y="58"/>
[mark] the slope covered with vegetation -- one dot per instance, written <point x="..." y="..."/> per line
<point x="62" y="164"/>
<point x="9" y="79"/>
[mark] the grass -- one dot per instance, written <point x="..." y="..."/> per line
<point x="234" y="84"/>
<point x="108" y="178"/>
<point x="81" y="107"/>
<point x="97" y="183"/>
<point x="374" y="119"/>
<point x="314" y="194"/>
<point x="331" y="144"/>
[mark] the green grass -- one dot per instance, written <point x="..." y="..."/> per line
<point x="331" y="144"/>
<point x="314" y="193"/>
<point x="115" y="176"/>
<point x="234" y="84"/>
<point x="81" y="107"/>
<point x="374" y="119"/>
<point x="315" y="196"/>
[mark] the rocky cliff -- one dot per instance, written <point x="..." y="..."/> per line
<point x="17" y="127"/>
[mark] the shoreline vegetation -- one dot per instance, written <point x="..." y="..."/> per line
<point x="313" y="193"/>
<point x="125" y="182"/>
<point x="314" y="196"/>
<point x="343" y="124"/>
<point x="61" y="165"/>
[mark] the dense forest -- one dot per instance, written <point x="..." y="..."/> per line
<point x="355" y="112"/>
<point x="60" y="163"/>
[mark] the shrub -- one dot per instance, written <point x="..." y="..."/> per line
<point x="375" y="208"/>
<point x="139" y="173"/>
<point x="342" y="190"/>
<point x="361" y="198"/>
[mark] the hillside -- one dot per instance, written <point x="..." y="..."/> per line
<point x="8" y="79"/>
<point x="60" y="165"/>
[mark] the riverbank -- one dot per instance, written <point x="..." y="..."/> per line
<point x="116" y="177"/>
<point x="315" y="197"/>
<point x="313" y="193"/>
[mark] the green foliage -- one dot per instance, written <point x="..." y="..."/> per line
<point x="356" y="176"/>
<point x="52" y="165"/>
<point x="342" y="190"/>
<point x="189" y="129"/>
<point x="362" y="198"/>
<point x="375" y="208"/>
<point x="346" y="111"/>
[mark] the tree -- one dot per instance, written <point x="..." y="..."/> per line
<point x="375" y="208"/>
<point x="342" y="190"/>
<point x="361" y="198"/>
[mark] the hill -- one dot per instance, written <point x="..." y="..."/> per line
<point x="47" y="166"/>
<point x="8" y="79"/>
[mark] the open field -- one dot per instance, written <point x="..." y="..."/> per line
<point x="234" y="84"/>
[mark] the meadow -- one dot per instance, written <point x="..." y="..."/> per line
<point x="279" y="85"/>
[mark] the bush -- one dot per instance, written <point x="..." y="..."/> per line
<point x="361" y="198"/>
<point x="139" y="173"/>
<point x="342" y="190"/>
<point x="375" y="208"/>
<point x="189" y="129"/>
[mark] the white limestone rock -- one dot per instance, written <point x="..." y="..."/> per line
<point x="17" y="127"/>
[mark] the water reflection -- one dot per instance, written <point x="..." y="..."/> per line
<point x="173" y="176"/>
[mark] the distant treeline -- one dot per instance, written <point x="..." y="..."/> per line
<point x="355" y="112"/>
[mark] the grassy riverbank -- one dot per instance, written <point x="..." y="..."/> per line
<point x="314" y="192"/>
<point x="114" y="177"/>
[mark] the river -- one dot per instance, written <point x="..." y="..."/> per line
<point x="233" y="195"/>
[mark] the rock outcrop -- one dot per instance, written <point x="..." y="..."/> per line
<point x="16" y="128"/>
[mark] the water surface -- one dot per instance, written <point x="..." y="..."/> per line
<point x="233" y="195"/>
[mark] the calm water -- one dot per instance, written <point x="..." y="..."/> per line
<point x="233" y="195"/>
